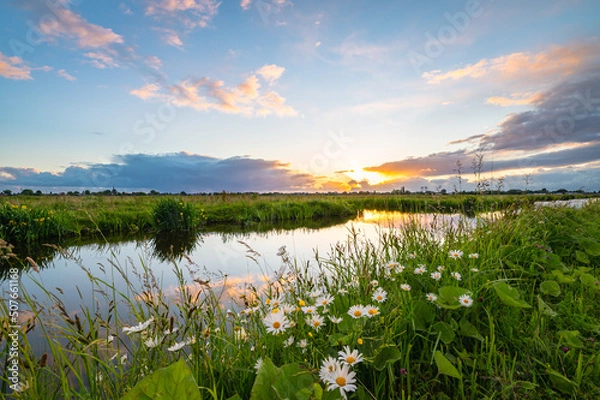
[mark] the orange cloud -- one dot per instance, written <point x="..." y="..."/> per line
<point x="64" y="74"/>
<point x="148" y="91"/>
<point x="245" y="4"/>
<point x="515" y="99"/>
<point x="101" y="60"/>
<point x="73" y="26"/>
<point x="270" y="72"/>
<point x="170" y="37"/>
<point x="556" y="61"/>
<point x="14" y="68"/>
<point x="193" y="13"/>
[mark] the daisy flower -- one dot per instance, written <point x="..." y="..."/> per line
<point x="400" y="269"/>
<point x="309" y="309"/>
<point x="465" y="300"/>
<point x="374" y="283"/>
<point x="139" y="327"/>
<point x="289" y="341"/>
<point x="431" y="297"/>
<point x="324" y="300"/>
<point x="406" y="287"/>
<point x="436" y="275"/>
<point x="357" y="311"/>
<point x="420" y="270"/>
<point x="335" y="320"/>
<point x="379" y="295"/>
<point x="391" y="265"/>
<point x="276" y="322"/>
<point x="342" y="379"/>
<point x="412" y="255"/>
<point x="303" y="344"/>
<point x="474" y="255"/>
<point x="152" y="342"/>
<point x="328" y="367"/>
<point x="455" y="254"/>
<point x="456" y="276"/>
<point x="372" y="311"/>
<point x="350" y="357"/>
<point x="474" y="270"/>
<point x="316" y="321"/>
<point x="441" y="268"/>
<point x="258" y="364"/>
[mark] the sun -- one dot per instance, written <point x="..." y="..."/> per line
<point x="360" y="175"/>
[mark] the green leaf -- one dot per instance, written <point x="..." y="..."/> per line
<point x="445" y="331"/>
<point x="388" y="354"/>
<point x="509" y="296"/>
<point x="423" y="315"/>
<point x="588" y="280"/>
<point x="561" y="382"/>
<point x="550" y="287"/>
<point x="545" y="309"/>
<point x="317" y="391"/>
<point x="590" y="246"/>
<point x="570" y="338"/>
<point x="173" y="382"/>
<point x="265" y="378"/>
<point x="294" y="383"/>
<point x="235" y="397"/>
<point x="445" y="366"/>
<point x="468" y="329"/>
<point x="581" y="257"/>
<point x="553" y="262"/>
<point x="562" y="278"/>
<point x="448" y="297"/>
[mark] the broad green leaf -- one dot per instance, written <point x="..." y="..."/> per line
<point x="553" y="262"/>
<point x="265" y="378"/>
<point x="570" y="338"/>
<point x="235" y="397"/>
<point x="562" y="383"/>
<point x="528" y="385"/>
<point x="173" y="382"/>
<point x="448" y="296"/>
<point x="294" y="383"/>
<point x="562" y="278"/>
<point x="468" y="329"/>
<point x="340" y="339"/>
<point x="550" y="287"/>
<point x="445" y="366"/>
<point x="317" y="391"/>
<point x="423" y="315"/>
<point x="590" y="246"/>
<point x="545" y="309"/>
<point x="509" y="296"/>
<point x="588" y="280"/>
<point x="581" y="257"/>
<point x="388" y="354"/>
<point x="445" y="331"/>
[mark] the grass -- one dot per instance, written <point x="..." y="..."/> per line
<point x="31" y="219"/>
<point x="516" y="314"/>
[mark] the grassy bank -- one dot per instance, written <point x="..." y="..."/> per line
<point x="30" y="219"/>
<point x="510" y="310"/>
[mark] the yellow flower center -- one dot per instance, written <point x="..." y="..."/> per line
<point x="350" y="359"/>
<point x="357" y="313"/>
<point x="341" y="381"/>
<point x="373" y="311"/>
<point x="301" y="303"/>
<point x="360" y="341"/>
<point x="316" y="323"/>
<point x="276" y="324"/>
<point x="379" y="297"/>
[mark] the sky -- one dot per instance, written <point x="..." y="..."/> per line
<point x="299" y="96"/>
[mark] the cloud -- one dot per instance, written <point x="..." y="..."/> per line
<point x="72" y="26"/>
<point x="245" y="4"/>
<point x="515" y="99"/>
<point x="556" y="62"/>
<point x="170" y="37"/>
<point x="192" y="13"/>
<point x="64" y="74"/>
<point x="270" y="73"/>
<point x="166" y="173"/>
<point x="206" y="94"/>
<point x="14" y="68"/>
<point x="101" y="60"/>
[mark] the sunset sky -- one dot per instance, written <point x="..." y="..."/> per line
<point x="280" y="95"/>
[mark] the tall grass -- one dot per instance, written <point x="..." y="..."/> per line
<point x="513" y="313"/>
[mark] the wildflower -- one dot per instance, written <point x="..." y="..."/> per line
<point x="182" y="344"/>
<point x="303" y="344"/>
<point x="276" y="322"/>
<point x="335" y="320"/>
<point x="301" y="303"/>
<point x="342" y="291"/>
<point x="391" y="265"/>
<point x="139" y="327"/>
<point x="110" y="338"/>
<point x="360" y="341"/>
<point x="258" y="364"/>
<point x="289" y="341"/>
<point x="275" y="301"/>
<point x="357" y="311"/>
<point x="400" y="269"/>
<point x="328" y="367"/>
<point x="379" y="295"/>
<point x="474" y="255"/>
<point x="372" y="311"/>
<point x="342" y="379"/>
<point x="465" y="300"/>
<point x="374" y="283"/>
<point x="123" y="359"/>
<point x="420" y="270"/>
<point x="406" y="287"/>
<point x="324" y="300"/>
<point x="239" y="333"/>
<point x="474" y="270"/>
<point x="309" y="310"/>
<point x="316" y="321"/>
<point x="350" y="357"/>
<point x="456" y="276"/>
<point x="436" y="275"/>
<point x="403" y="371"/>
<point x="412" y="255"/>
<point x="152" y="342"/>
<point x="431" y="297"/>
<point x="455" y="254"/>
<point x="288" y="308"/>
<point x="441" y="268"/>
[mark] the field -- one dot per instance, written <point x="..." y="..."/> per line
<point x="508" y="310"/>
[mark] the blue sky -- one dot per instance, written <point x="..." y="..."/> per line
<point x="279" y="95"/>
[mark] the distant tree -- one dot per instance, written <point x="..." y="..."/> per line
<point x="27" y="192"/>
<point x="7" y="192"/>
<point x="38" y="193"/>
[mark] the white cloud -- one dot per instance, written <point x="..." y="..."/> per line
<point x="14" y="68"/>
<point x="270" y="73"/>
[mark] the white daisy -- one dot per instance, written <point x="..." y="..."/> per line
<point x="379" y="295"/>
<point x="350" y="357"/>
<point x="465" y="300"/>
<point x="139" y="327"/>
<point x="431" y="297"/>
<point x="474" y="255"/>
<point x="324" y="300"/>
<point x="456" y="276"/>
<point x="436" y="275"/>
<point x="455" y="254"/>
<point x="372" y="311"/>
<point x="406" y="287"/>
<point x="276" y="322"/>
<point x="335" y="320"/>
<point x="357" y="311"/>
<point x="315" y="321"/>
<point x="342" y="379"/>
<point x="420" y="270"/>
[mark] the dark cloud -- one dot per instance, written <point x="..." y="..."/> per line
<point x="168" y="172"/>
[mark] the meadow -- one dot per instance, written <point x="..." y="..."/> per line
<point x="508" y="309"/>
